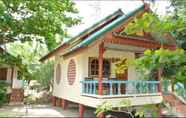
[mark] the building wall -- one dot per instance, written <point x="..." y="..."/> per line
<point x="73" y="92"/>
<point x="63" y="89"/>
<point x="9" y="74"/>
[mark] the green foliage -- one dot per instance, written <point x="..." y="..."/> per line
<point x="126" y="103"/>
<point x="33" y="27"/>
<point x="150" y="22"/>
<point x="3" y="92"/>
<point x="44" y="74"/>
<point x="36" y="20"/>
<point x="158" y="26"/>
<point x="104" y="107"/>
<point x="170" y="62"/>
<point x="179" y="12"/>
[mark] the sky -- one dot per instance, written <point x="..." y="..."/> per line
<point x="92" y="11"/>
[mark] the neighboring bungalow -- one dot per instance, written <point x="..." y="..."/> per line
<point x="8" y="73"/>
<point x="85" y="65"/>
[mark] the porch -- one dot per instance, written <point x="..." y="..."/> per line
<point x="102" y="79"/>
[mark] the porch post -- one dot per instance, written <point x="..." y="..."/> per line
<point x="64" y="103"/>
<point x="100" y="72"/>
<point x="159" y="79"/>
<point x="53" y="101"/>
<point x="81" y="110"/>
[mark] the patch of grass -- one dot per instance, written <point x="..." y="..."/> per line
<point x="10" y="114"/>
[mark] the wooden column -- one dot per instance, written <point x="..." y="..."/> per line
<point x="100" y="71"/>
<point x="159" y="79"/>
<point x="53" y="101"/>
<point x="81" y="110"/>
<point x="64" y="103"/>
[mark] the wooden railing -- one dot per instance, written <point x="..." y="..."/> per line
<point x="119" y="87"/>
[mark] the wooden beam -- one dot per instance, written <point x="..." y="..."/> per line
<point x="137" y="42"/>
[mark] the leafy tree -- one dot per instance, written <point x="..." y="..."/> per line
<point x="44" y="74"/>
<point x="170" y="62"/>
<point x="24" y="56"/>
<point x="179" y="12"/>
<point x="158" y="27"/>
<point x="39" y="20"/>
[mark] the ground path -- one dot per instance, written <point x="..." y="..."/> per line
<point x="43" y="111"/>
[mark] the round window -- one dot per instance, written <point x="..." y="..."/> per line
<point x="58" y="73"/>
<point x="71" y="72"/>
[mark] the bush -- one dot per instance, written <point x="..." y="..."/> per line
<point x="3" y="94"/>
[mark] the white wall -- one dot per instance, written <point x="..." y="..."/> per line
<point x="17" y="84"/>
<point x="63" y="89"/>
<point x="9" y="73"/>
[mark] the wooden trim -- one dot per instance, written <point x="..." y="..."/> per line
<point x="136" y="42"/>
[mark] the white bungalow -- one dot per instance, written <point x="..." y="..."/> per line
<point x="85" y="65"/>
<point x="8" y="74"/>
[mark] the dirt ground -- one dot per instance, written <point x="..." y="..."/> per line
<point x="43" y="111"/>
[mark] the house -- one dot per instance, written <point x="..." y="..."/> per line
<point x="85" y="65"/>
<point x="8" y="74"/>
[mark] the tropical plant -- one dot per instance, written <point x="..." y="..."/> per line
<point x="104" y="107"/>
<point x="3" y="92"/>
<point x="121" y="66"/>
<point x="125" y="106"/>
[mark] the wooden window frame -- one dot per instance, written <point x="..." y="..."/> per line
<point x="96" y="67"/>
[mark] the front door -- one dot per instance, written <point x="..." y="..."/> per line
<point x="3" y="73"/>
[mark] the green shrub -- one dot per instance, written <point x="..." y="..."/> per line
<point x="3" y="94"/>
